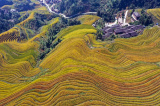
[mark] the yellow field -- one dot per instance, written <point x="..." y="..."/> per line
<point x="45" y="29"/>
<point x="27" y="20"/>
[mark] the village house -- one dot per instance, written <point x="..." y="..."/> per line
<point x="124" y="32"/>
<point x="13" y="10"/>
<point x="136" y="16"/>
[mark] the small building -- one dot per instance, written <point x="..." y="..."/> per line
<point x="11" y="20"/>
<point x="13" y="10"/>
<point x="136" y="16"/>
<point x="56" y="10"/>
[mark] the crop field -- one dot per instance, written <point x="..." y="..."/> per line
<point x="45" y="29"/>
<point x="155" y="12"/>
<point x="10" y="35"/>
<point x="81" y="70"/>
<point x="88" y="19"/>
<point x="27" y="20"/>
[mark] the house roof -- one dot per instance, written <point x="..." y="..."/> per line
<point x="128" y="30"/>
<point x="119" y="31"/>
<point x="136" y="14"/>
<point x="125" y="35"/>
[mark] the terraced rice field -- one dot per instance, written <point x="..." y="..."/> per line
<point x="10" y="35"/>
<point x="82" y="71"/>
<point x="45" y="29"/>
<point x="155" y="12"/>
<point x="23" y="23"/>
<point x="88" y="19"/>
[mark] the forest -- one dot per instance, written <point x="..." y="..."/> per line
<point x="71" y="7"/>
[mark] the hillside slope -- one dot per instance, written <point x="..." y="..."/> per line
<point x="155" y="13"/>
<point x="82" y="71"/>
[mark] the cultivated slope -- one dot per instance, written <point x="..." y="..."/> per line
<point x="82" y="71"/>
<point x="155" y="12"/>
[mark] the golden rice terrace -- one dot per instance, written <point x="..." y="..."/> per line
<point x="80" y="70"/>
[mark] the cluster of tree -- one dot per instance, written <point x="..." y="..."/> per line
<point x="145" y="19"/>
<point x="99" y="34"/>
<point x="23" y="5"/>
<point x="46" y="44"/>
<point x="8" y="14"/>
<point x="8" y="19"/>
<point x="107" y="15"/>
<point x="122" y="4"/>
<point x="5" y="2"/>
<point x="36" y="22"/>
<point x="71" y="7"/>
<point x="23" y="17"/>
<point x="5" y="25"/>
<point x="20" y="5"/>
